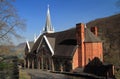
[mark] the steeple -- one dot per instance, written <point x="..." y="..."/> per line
<point x="48" y="26"/>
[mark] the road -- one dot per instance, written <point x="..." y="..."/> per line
<point x="39" y="74"/>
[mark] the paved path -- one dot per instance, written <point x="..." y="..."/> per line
<point x="39" y="74"/>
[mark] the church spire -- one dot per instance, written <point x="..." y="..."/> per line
<point x="48" y="26"/>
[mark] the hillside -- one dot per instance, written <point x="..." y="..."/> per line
<point x="7" y="49"/>
<point x="13" y="50"/>
<point x="109" y="32"/>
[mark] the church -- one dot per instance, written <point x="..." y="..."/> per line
<point x="64" y="50"/>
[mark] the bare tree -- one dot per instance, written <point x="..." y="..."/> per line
<point x="10" y="22"/>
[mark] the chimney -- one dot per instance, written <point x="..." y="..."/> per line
<point x="94" y="30"/>
<point x="80" y="42"/>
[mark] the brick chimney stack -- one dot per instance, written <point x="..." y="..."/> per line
<point x="80" y="42"/>
<point x="94" y="30"/>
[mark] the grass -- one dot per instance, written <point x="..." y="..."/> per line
<point x="23" y="74"/>
<point x="4" y="65"/>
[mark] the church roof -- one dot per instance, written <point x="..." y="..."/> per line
<point x="90" y="37"/>
<point x="64" y="43"/>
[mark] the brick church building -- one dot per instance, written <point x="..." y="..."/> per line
<point x="65" y="50"/>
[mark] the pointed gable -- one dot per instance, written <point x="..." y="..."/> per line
<point x="36" y="44"/>
<point x="43" y="40"/>
<point x="29" y="45"/>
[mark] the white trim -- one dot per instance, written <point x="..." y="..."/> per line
<point x="49" y="45"/>
<point x="28" y="45"/>
<point x="35" y="37"/>
<point x="50" y="31"/>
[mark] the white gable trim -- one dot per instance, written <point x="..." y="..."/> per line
<point x="28" y="46"/>
<point x="49" y="45"/>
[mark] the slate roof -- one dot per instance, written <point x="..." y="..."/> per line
<point x="36" y="44"/>
<point x="90" y="37"/>
<point x="64" y="43"/>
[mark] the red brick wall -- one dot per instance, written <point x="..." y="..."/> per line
<point x="80" y="42"/>
<point x="88" y="52"/>
<point x="85" y="51"/>
<point x="93" y="50"/>
<point x="75" y="60"/>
